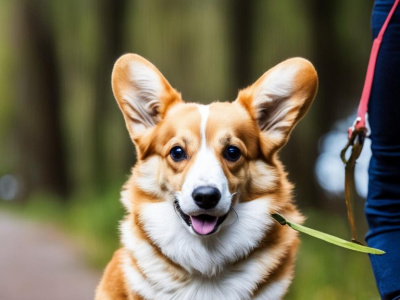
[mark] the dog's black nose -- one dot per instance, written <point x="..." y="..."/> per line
<point x="206" y="196"/>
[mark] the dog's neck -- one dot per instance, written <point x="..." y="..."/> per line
<point x="168" y="255"/>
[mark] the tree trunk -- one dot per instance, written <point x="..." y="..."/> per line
<point x="242" y="23"/>
<point x="39" y="139"/>
<point x="111" y="20"/>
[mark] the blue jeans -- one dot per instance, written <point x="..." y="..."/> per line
<point x="383" y="201"/>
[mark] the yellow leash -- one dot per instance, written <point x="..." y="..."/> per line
<point x="327" y="237"/>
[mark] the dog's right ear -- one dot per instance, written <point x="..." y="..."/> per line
<point x="279" y="99"/>
<point x="142" y="93"/>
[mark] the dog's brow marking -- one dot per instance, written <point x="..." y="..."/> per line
<point x="204" y="112"/>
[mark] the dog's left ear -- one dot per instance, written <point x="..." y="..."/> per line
<point x="279" y="99"/>
<point x="142" y="93"/>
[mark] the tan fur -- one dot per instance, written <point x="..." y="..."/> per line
<point x="112" y="285"/>
<point x="258" y="173"/>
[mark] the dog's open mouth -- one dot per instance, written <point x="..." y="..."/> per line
<point x="202" y="224"/>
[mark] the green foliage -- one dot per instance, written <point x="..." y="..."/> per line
<point x="92" y="220"/>
<point x="324" y="271"/>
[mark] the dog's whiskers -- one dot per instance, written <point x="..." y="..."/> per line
<point x="237" y="216"/>
<point x="233" y="196"/>
<point x="176" y="207"/>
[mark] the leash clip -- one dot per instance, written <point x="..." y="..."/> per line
<point x="356" y="141"/>
<point x="352" y="128"/>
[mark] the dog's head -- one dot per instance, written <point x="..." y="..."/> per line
<point x="203" y="159"/>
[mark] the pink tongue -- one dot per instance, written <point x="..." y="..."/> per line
<point x="203" y="224"/>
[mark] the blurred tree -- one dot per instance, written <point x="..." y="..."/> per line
<point x="327" y="53"/>
<point x="39" y="134"/>
<point x="110" y="47"/>
<point x="340" y="85"/>
<point x="242" y="19"/>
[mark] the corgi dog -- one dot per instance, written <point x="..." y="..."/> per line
<point x="206" y="181"/>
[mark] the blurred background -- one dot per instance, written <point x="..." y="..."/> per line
<point x="64" y="149"/>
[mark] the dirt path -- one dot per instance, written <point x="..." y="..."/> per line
<point x="39" y="263"/>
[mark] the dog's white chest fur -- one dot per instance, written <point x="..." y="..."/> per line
<point x="213" y="263"/>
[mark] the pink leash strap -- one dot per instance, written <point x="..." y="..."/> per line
<point x="359" y="124"/>
<point x="358" y="131"/>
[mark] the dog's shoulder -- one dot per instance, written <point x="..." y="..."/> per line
<point x="112" y="285"/>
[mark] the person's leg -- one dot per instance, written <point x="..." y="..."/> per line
<point x="383" y="201"/>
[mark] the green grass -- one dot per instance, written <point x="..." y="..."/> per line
<point x="323" y="271"/>
<point x="95" y="221"/>
<point x="91" y="220"/>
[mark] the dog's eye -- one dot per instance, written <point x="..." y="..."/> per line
<point x="232" y="153"/>
<point x="178" y="154"/>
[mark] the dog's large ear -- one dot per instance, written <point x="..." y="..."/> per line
<point x="279" y="99"/>
<point x="142" y="93"/>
